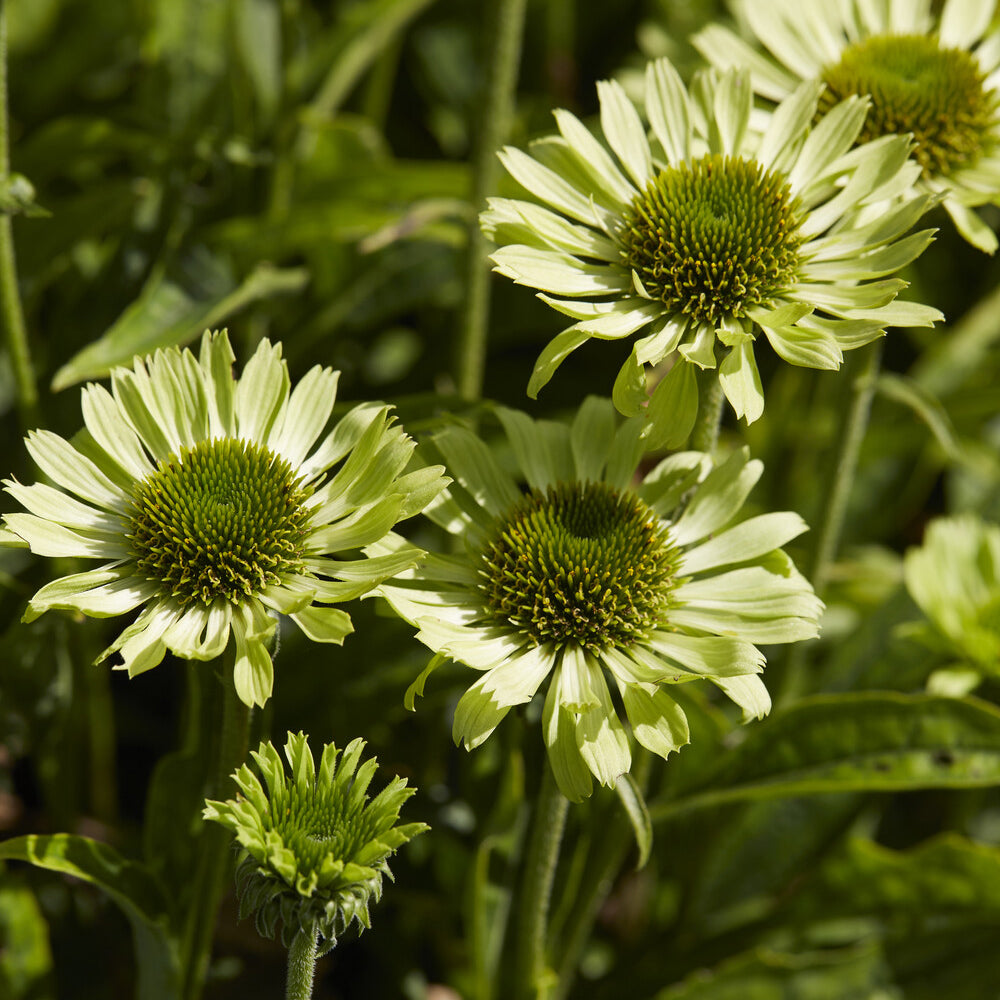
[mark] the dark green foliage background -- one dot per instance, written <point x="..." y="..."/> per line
<point x="300" y="171"/>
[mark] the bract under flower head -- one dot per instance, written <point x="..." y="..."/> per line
<point x="315" y="848"/>
<point x="585" y="579"/>
<point x="213" y="508"/>
<point x="955" y="579"/>
<point x="936" y="77"/>
<point x="711" y="235"/>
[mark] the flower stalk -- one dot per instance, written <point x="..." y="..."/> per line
<point x="494" y="122"/>
<point x="542" y="858"/>
<point x="214" y="852"/>
<point x="301" y="965"/>
<point x="14" y="327"/>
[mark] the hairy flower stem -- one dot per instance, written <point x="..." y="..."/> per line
<point x="15" y="333"/>
<point x="865" y="365"/>
<point x="538" y="874"/>
<point x="215" y="842"/>
<point x="705" y="435"/>
<point x="494" y="119"/>
<point x="301" y="965"/>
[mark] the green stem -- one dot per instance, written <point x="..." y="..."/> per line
<point x="705" y="435"/>
<point x="601" y="875"/>
<point x="864" y="366"/>
<point x="852" y="436"/>
<point x="215" y="841"/>
<point x="540" y="862"/>
<point x="301" y="965"/>
<point x="14" y="328"/>
<point x="494" y="120"/>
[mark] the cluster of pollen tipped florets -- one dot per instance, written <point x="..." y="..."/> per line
<point x="937" y="94"/>
<point x="225" y="518"/>
<point x="580" y="563"/>
<point x="711" y="237"/>
<point x="315" y="848"/>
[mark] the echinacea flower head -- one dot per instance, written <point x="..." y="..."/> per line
<point x="314" y="847"/>
<point x="572" y="577"/>
<point x="708" y="236"/>
<point x="212" y="507"/>
<point x="934" y="76"/>
<point x="954" y="577"/>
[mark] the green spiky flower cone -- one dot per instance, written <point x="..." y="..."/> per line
<point x="600" y="592"/>
<point x="314" y="847"/>
<point x="705" y="239"/>
<point x="935" y="76"/>
<point x="215" y="504"/>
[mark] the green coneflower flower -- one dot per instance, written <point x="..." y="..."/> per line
<point x="211" y="509"/>
<point x="314" y="848"/>
<point x="954" y="577"/>
<point x="711" y="235"/>
<point x="580" y="579"/>
<point x="935" y="77"/>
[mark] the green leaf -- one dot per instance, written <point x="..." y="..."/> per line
<point x="362" y="33"/>
<point x="635" y="807"/>
<point x="925" y="405"/>
<point x="946" y="875"/>
<point x="766" y="974"/>
<point x="25" y="955"/>
<point x="129" y="884"/>
<point x="857" y="743"/>
<point x="170" y="312"/>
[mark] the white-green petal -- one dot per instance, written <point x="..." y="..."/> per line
<point x="541" y="448"/>
<point x="112" y="432"/>
<point x="732" y="105"/>
<point x="591" y="437"/>
<point x="726" y="50"/>
<point x="216" y="360"/>
<point x="141" y="645"/>
<point x="673" y="408"/>
<point x="972" y="228"/>
<point x="554" y="271"/>
<point x="473" y="466"/>
<point x="476" y="716"/>
<point x="46" y="538"/>
<point x="834" y="135"/>
<point x="658" y="722"/>
<point x="553" y="355"/>
<point x="322" y="624"/>
<point x="304" y="415"/>
<point x="65" y="592"/>
<point x="748" y="540"/>
<point x="201" y="633"/>
<point x="711" y="656"/>
<point x="701" y="350"/>
<point x="964" y="22"/>
<point x="559" y="730"/>
<point x="61" y="508"/>
<point x="261" y="392"/>
<point x="718" y="498"/>
<point x="575" y="690"/>
<point x="592" y="152"/>
<point x="253" y="672"/>
<point x="788" y="127"/>
<point x="516" y="679"/>
<point x="623" y="129"/>
<point x="65" y="466"/>
<point x="668" y="110"/>
<point x="807" y="348"/>
<point x="600" y="735"/>
<point x="748" y="692"/>
<point x="363" y="527"/>
<point x="546" y="184"/>
<point x="740" y="381"/>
